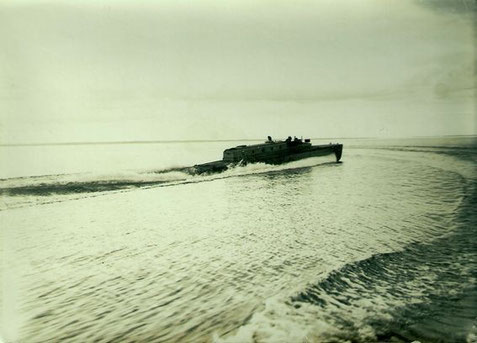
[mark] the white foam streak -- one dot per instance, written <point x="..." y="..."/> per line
<point x="126" y="176"/>
<point x="175" y="175"/>
<point x="278" y="323"/>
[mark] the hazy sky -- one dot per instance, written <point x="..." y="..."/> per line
<point x="147" y="70"/>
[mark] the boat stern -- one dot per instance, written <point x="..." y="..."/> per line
<point x="338" y="149"/>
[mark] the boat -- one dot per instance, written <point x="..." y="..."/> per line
<point x="270" y="152"/>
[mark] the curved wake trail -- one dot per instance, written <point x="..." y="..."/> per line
<point x="27" y="191"/>
<point x="379" y="248"/>
<point x="426" y="291"/>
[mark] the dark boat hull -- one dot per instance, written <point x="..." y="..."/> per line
<point x="314" y="151"/>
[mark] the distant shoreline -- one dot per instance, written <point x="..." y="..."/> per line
<point x="215" y="141"/>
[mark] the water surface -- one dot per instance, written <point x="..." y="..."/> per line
<point x="111" y="246"/>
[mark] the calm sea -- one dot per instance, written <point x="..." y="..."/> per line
<point x="114" y="243"/>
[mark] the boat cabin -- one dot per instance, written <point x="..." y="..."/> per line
<point x="265" y="151"/>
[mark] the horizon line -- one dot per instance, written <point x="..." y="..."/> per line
<point x="175" y="141"/>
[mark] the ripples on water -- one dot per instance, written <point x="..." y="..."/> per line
<point x="379" y="247"/>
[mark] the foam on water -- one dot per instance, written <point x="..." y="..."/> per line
<point x="26" y="191"/>
<point x="377" y="248"/>
<point x="427" y="290"/>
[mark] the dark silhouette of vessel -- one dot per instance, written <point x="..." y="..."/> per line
<point x="270" y="152"/>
